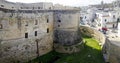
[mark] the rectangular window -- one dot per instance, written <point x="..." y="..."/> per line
<point x="36" y="22"/>
<point x="26" y="24"/>
<point x="47" y="20"/>
<point x="38" y="7"/>
<point x="59" y="20"/>
<point x="21" y="7"/>
<point x="26" y="35"/>
<point x="47" y="30"/>
<point x="1" y="26"/>
<point x="58" y="25"/>
<point x="35" y="33"/>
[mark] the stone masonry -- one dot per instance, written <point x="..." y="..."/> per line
<point x="29" y="30"/>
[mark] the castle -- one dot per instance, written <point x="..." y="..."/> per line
<point x="29" y="30"/>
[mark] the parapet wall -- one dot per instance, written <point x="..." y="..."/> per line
<point x="91" y="32"/>
<point x="111" y="50"/>
<point x="110" y="45"/>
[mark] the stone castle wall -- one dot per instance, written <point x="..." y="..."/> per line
<point x="24" y="36"/>
<point x="27" y="32"/>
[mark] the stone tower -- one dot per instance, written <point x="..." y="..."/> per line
<point x="66" y="23"/>
<point x="102" y="5"/>
<point x="66" y="27"/>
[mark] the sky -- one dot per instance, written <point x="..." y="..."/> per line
<point x="66" y="2"/>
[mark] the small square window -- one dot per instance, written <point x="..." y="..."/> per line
<point x="2" y="5"/>
<point x="105" y="20"/>
<point x="26" y="35"/>
<point x="49" y="7"/>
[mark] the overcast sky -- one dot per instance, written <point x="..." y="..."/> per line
<point x="66" y="2"/>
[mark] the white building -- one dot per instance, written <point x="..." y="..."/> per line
<point x="106" y="19"/>
<point x="88" y="16"/>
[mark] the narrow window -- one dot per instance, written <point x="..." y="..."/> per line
<point x="47" y="30"/>
<point x="85" y="17"/>
<point x="113" y="26"/>
<point x="38" y="7"/>
<point x="105" y="20"/>
<point x="35" y="33"/>
<point x="49" y="7"/>
<point x="1" y="26"/>
<point x="36" y="22"/>
<point x="59" y="20"/>
<point x="47" y="20"/>
<point x="26" y="23"/>
<point x="26" y="35"/>
<point x="58" y="25"/>
<point x="21" y="7"/>
<point x="2" y="5"/>
<point x="113" y="16"/>
<point x="33" y="7"/>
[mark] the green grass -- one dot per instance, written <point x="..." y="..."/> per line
<point x="47" y="58"/>
<point x="90" y="54"/>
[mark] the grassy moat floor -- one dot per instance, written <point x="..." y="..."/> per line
<point x="90" y="54"/>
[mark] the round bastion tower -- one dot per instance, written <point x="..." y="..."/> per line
<point x="66" y="25"/>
